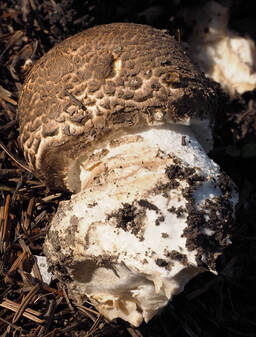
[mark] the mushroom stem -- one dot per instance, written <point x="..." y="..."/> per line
<point x="150" y="216"/>
<point x="134" y="158"/>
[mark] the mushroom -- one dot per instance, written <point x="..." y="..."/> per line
<point x="224" y="55"/>
<point x="107" y="115"/>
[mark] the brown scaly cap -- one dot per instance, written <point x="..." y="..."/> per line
<point x="102" y="80"/>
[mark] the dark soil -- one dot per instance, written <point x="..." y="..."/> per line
<point x="210" y="305"/>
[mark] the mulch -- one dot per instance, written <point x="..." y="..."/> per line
<point x="211" y="305"/>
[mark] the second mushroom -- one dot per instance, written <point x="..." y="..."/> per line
<point x="111" y="114"/>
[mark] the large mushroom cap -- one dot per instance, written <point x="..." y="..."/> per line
<point x="101" y="80"/>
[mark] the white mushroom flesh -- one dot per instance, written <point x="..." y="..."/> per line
<point x="152" y="214"/>
<point x="222" y="54"/>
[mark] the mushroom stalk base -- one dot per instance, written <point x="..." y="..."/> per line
<point x="150" y="216"/>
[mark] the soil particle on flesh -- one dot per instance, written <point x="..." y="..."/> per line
<point x="129" y="218"/>
<point x="148" y="205"/>
<point x="177" y="256"/>
<point x="74" y="221"/>
<point x="179" y="211"/>
<point x="165" y="235"/>
<point x="219" y="214"/>
<point x="225" y="184"/>
<point x="208" y="225"/>
<point x="178" y="172"/>
<point x="161" y="262"/>
<point x="159" y="220"/>
<point x="163" y="188"/>
<point x="94" y="204"/>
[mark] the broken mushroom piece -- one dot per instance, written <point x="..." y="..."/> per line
<point x="223" y="54"/>
<point x="107" y="114"/>
<point x="104" y="80"/>
<point x="160" y="213"/>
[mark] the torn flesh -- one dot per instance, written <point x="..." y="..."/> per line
<point x="153" y="212"/>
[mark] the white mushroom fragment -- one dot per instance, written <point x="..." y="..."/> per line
<point x="221" y="53"/>
<point x="153" y="218"/>
<point x="106" y="114"/>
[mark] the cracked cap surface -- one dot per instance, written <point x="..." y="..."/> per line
<point x="102" y="80"/>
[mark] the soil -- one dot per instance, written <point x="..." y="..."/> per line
<point x="211" y="305"/>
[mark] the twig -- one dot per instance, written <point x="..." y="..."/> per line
<point x="35" y="267"/>
<point x="17" y="161"/>
<point x="8" y="125"/>
<point x="11" y="324"/>
<point x="75" y="100"/>
<point x="68" y="328"/>
<point x="94" y="327"/>
<point x="5" y="218"/>
<point x="88" y="312"/>
<point x="49" y="315"/>
<point x="26" y="300"/>
<point x="28" y="313"/>
<point x="16" y="264"/>
<point x="67" y="299"/>
<point x="28" y="214"/>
